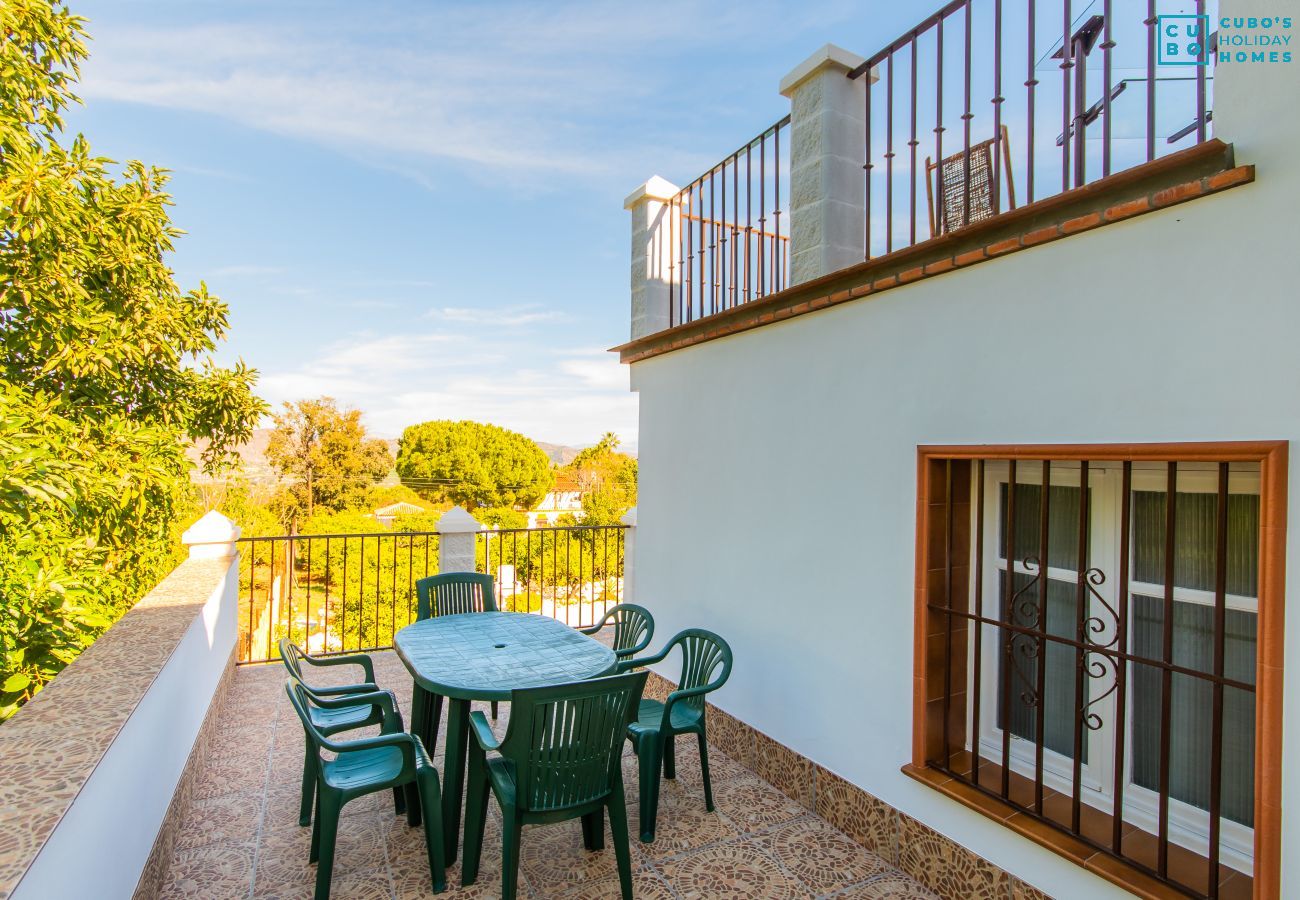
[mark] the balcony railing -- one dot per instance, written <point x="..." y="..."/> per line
<point x="726" y="238"/>
<point x="335" y="593"/>
<point x="987" y="97"/>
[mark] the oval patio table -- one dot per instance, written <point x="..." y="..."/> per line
<point x="484" y="656"/>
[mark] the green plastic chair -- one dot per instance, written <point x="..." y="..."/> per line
<point x="453" y="594"/>
<point x="392" y="759"/>
<point x="559" y="760"/>
<point x="331" y="720"/>
<point x="706" y="666"/>
<point x="633" y="629"/>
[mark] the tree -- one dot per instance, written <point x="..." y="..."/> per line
<point x="473" y="464"/>
<point x="326" y="455"/>
<point x="105" y="368"/>
<point x="607" y="479"/>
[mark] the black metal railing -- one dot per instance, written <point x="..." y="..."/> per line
<point x="725" y="238"/>
<point x="1099" y="628"/>
<point x="572" y="574"/>
<point x="339" y="593"/>
<point x="955" y="76"/>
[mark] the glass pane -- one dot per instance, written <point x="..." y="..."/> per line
<point x="1022" y="668"/>
<point x="1191" y="706"/>
<point x="1194" y="533"/>
<point x="1062" y="524"/>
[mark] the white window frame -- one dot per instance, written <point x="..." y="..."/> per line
<point x="1188" y="824"/>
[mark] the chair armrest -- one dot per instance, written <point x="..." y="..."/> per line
<point x="351" y="659"/>
<point x="403" y="740"/>
<point x="385" y="700"/>
<point x="647" y="660"/>
<point x="478" y="724"/>
<point x="366" y="688"/>
<point x="689" y="692"/>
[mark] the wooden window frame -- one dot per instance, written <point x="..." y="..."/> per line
<point x="931" y="633"/>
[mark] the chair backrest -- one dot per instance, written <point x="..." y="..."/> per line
<point x="454" y="593"/>
<point x="566" y="740"/>
<point x="955" y="179"/>
<point x="633" y="626"/>
<point x="706" y="660"/>
<point x="291" y="655"/>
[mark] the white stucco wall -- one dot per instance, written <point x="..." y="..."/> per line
<point x="103" y="841"/>
<point x="778" y="467"/>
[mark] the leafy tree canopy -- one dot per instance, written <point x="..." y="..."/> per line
<point x="607" y="479"/>
<point x="473" y="464"/>
<point x="105" y="371"/>
<point x="325" y="455"/>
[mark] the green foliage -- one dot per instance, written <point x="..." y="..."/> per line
<point x="502" y="517"/>
<point x="325" y="454"/>
<point x="474" y="464"/>
<point x="104" y="368"/>
<point x="607" y="479"/>
<point x="383" y="495"/>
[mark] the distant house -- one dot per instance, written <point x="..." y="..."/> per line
<point x="565" y="496"/>
<point x="386" y="515"/>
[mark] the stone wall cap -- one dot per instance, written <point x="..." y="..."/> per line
<point x="457" y="521"/>
<point x="826" y="56"/>
<point x="211" y="528"/>
<point x="655" y="189"/>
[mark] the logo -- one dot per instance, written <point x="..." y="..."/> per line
<point x="1182" y="40"/>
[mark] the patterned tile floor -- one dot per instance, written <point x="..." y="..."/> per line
<point x="242" y="839"/>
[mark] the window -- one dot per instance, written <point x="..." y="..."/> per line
<point x="1091" y="666"/>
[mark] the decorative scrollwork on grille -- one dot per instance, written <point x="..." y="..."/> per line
<point x="1028" y="611"/>
<point x="1095" y="624"/>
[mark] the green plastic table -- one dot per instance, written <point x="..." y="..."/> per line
<point x="484" y="656"/>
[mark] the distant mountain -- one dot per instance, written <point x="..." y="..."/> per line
<point x="253" y="454"/>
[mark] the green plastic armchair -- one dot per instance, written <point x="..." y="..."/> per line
<point x="448" y="595"/>
<point x="331" y="720"/>
<point x="392" y="759"/>
<point x="559" y="760"/>
<point x="706" y="665"/>
<point x="633" y="629"/>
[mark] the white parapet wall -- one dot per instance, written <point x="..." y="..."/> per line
<point x="128" y="711"/>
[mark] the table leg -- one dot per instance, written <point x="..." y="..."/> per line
<point x="426" y="711"/>
<point x="453" y="785"/>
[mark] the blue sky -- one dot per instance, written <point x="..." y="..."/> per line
<point x="417" y="207"/>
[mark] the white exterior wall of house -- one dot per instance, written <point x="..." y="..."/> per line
<point x="1181" y="325"/>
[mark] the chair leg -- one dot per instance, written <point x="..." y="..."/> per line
<point x="618" y="829"/>
<point x="308" y="785"/>
<point x="327" y="820"/>
<point x="476" y="800"/>
<point x="670" y="757"/>
<point x="495" y="710"/>
<point x="511" y="833"/>
<point x="399" y="799"/>
<point x="593" y="830"/>
<point x="315" y="831"/>
<point x="431" y="799"/>
<point x="704" y="771"/>
<point x="651" y="765"/>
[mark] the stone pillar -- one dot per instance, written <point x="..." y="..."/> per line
<point x="629" y="556"/>
<point x="827" y="153"/>
<point x="456" y="530"/>
<point x="655" y="222"/>
<point x="212" y="537"/>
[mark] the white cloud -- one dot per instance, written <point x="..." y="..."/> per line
<point x="569" y="396"/>
<point x="508" y="317"/>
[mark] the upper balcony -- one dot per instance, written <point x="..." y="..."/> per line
<point x="979" y="131"/>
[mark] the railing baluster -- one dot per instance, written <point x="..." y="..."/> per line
<point x="1080" y="660"/>
<point x="1166" y="674"/>
<point x="1220" y="652"/>
<point x="1040" y="680"/>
